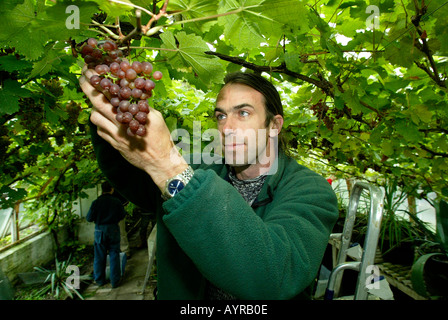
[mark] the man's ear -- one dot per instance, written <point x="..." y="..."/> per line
<point x="276" y="124"/>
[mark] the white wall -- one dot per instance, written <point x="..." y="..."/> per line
<point x="23" y="257"/>
<point x="82" y="205"/>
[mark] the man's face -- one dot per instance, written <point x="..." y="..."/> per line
<point x="241" y="115"/>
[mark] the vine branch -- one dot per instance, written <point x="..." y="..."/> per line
<point x="322" y="83"/>
<point x="421" y="44"/>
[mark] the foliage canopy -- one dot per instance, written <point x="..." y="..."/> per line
<point x="364" y="83"/>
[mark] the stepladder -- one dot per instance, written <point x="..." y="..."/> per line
<point x="365" y="265"/>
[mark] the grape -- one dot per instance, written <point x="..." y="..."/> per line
<point x="140" y="117"/>
<point x="120" y="53"/>
<point x="114" y="67"/>
<point x="97" y="54"/>
<point x="102" y="69"/>
<point x="139" y="83"/>
<point x="137" y="66"/>
<point x="146" y="67"/>
<point x="143" y="106"/>
<point x="125" y="92"/>
<point x="86" y="49"/>
<point x="124" y="105"/>
<point x="133" y="109"/>
<point x="146" y="95"/>
<point x="124" y="65"/>
<point x="105" y="83"/>
<point x="130" y="133"/>
<point x="149" y="85"/>
<point x="113" y="54"/>
<point x="107" y="60"/>
<point x="133" y="125"/>
<point x="127" y="117"/>
<point x="115" y="101"/>
<point x="136" y="93"/>
<point x="95" y="80"/>
<point x="121" y="74"/>
<point x="127" y="82"/>
<point x="157" y="75"/>
<point x="114" y="89"/>
<point x="124" y="83"/>
<point x="131" y="74"/>
<point x="89" y="59"/>
<point x="109" y="45"/>
<point x="141" y="131"/>
<point x="93" y="42"/>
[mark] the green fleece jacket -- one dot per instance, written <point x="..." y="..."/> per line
<point x="270" y="250"/>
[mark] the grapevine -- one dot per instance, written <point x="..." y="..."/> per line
<point x="128" y="84"/>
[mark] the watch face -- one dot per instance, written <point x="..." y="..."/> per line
<point x="175" y="186"/>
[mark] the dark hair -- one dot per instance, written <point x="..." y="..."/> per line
<point x="106" y="187"/>
<point x="272" y="102"/>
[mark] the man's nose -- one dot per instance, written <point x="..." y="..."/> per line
<point x="229" y="126"/>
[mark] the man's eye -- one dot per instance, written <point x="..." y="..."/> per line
<point x="220" y="116"/>
<point x="244" y="113"/>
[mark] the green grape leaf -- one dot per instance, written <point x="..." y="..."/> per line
<point x="394" y="52"/>
<point x="11" y="196"/>
<point x="293" y="62"/>
<point x="114" y="9"/>
<point x="11" y="64"/>
<point x="188" y="56"/>
<point x="253" y="22"/>
<point x="18" y="30"/>
<point x="193" y="9"/>
<point x="352" y="100"/>
<point x="9" y="96"/>
<point x="421" y="113"/>
<point x="408" y="130"/>
<point x="61" y="21"/>
<point x="46" y="64"/>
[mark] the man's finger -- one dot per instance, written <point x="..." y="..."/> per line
<point x="98" y="97"/>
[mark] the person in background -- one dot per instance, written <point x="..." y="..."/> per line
<point x="106" y="212"/>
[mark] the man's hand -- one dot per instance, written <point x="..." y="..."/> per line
<point x="154" y="153"/>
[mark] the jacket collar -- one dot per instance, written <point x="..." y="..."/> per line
<point x="267" y="192"/>
<point x="276" y="172"/>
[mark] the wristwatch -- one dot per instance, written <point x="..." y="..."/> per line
<point x="174" y="185"/>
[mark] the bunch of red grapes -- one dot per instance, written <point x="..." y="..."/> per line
<point x="129" y="84"/>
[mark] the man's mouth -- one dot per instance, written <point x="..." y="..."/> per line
<point x="233" y="145"/>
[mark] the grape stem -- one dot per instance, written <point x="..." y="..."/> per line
<point x="162" y="13"/>
<point x="151" y="31"/>
<point x="117" y="24"/>
<point x="149" y="48"/>
<point x="110" y="33"/>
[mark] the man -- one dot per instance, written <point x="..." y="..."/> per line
<point x="106" y="211"/>
<point x="255" y="228"/>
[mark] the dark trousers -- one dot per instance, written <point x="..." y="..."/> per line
<point x="107" y="240"/>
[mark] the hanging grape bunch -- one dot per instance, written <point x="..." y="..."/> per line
<point x="129" y="84"/>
